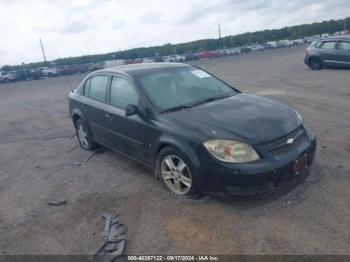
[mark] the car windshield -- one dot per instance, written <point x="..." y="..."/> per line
<point x="178" y="88"/>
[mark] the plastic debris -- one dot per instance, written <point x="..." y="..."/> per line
<point x="59" y="202"/>
<point x="114" y="238"/>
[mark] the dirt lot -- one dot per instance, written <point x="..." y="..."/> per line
<point x="38" y="163"/>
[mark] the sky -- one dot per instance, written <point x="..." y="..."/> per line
<point x="81" y="27"/>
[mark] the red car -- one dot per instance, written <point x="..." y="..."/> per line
<point x="207" y="54"/>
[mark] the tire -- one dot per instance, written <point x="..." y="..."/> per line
<point x="84" y="136"/>
<point x="180" y="179"/>
<point x="315" y="63"/>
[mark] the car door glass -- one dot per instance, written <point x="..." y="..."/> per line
<point x="328" y="45"/>
<point x="122" y="93"/>
<point x="87" y="87"/>
<point x="344" y="46"/>
<point x="97" y="88"/>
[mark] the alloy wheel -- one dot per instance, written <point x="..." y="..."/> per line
<point x="82" y="135"/>
<point x="176" y="174"/>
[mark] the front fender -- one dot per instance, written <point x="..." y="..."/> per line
<point x="180" y="144"/>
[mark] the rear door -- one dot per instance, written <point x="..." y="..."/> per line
<point x="328" y="52"/>
<point x="96" y="90"/>
<point x="343" y="56"/>
<point x="127" y="134"/>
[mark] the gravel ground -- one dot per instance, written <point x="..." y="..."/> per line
<point x="39" y="162"/>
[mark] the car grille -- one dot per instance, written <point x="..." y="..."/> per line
<point x="280" y="145"/>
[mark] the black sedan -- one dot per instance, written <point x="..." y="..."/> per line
<point x="200" y="134"/>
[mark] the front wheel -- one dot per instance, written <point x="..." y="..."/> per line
<point x="176" y="172"/>
<point x="315" y="63"/>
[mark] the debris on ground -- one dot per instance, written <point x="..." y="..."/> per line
<point x="70" y="150"/>
<point x="100" y="150"/>
<point x="58" y="202"/>
<point x="114" y="238"/>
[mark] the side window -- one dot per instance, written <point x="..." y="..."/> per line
<point x="97" y="88"/>
<point x="328" y="45"/>
<point x="344" y="46"/>
<point x="317" y="44"/>
<point x="122" y="93"/>
<point x="87" y="87"/>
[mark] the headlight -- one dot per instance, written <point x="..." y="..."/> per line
<point x="231" y="151"/>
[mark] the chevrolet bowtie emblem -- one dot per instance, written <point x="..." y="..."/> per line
<point x="290" y="141"/>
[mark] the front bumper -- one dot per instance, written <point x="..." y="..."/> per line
<point x="251" y="179"/>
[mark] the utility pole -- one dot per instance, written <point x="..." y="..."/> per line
<point x="219" y="29"/>
<point x="42" y="49"/>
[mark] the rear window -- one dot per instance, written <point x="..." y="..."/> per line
<point x="97" y="89"/>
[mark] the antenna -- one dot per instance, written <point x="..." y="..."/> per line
<point x="42" y="49"/>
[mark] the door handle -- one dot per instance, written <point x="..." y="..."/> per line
<point x="109" y="116"/>
<point x="84" y="107"/>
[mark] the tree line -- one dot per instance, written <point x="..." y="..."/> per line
<point x="290" y="32"/>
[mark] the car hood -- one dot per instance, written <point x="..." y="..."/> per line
<point x="244" y="117"/>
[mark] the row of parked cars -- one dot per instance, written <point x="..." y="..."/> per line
<point x="222" y="52"/>
<point x="38" y="73"/>
<point x="42" y="72"/>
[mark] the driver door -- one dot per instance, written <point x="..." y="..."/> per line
<point x="127" y="134"/>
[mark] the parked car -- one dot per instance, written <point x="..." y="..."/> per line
<point x="221" y="53"/>
<point x="179" y="58"/>
<point x="22" y="74"/>
<point x="285" y="43"/>
<point x="174" y="58"/>
<point x="207" y="54"/>
<point x="272" y="44"/>
<point x="82" y="68"/>
<point x="333" y="51"/>
<point x="109" y="63"/>
<point x="49" y="71"/>
<point x="35" y="74"/>
<point x="191" y="56"/>
<point x="200" y="134"/>
<point x="234" y="51"/>
<point x="148" y="60"/>
<point x="257" y="48"/>
<point x="246" y="49"/>
<point x="7" y="77"/>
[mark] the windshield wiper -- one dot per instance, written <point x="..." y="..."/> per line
<point x="176" y="108"/>
<point x="210" y="99"/>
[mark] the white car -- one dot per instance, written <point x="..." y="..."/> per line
<point x="148" y="60"/>
<point x="174" y="58"/>
<point x="49" y="71"/>
<point x="6" y="77"/>
<point x="257" y="48"/>
<point x="233" y="51"/>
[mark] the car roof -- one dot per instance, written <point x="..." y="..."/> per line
<point x="135" y="69"/>
<point x="336" y="37"/>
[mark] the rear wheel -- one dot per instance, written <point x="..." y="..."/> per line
<point x="315" y="63"/>
<point x="84" y="136"/>
<point x="176" y="172"/>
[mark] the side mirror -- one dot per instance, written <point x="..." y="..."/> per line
<point x="131" y="110"/>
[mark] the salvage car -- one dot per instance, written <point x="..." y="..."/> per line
<point x="197" y="132"/>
